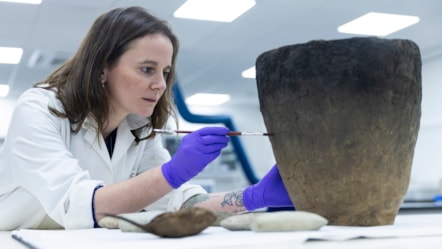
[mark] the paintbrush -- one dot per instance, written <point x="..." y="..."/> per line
<point x="231" y="133"/>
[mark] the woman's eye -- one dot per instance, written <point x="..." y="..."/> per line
<point x="147" y="70"/>
<point x="166" y="75"/>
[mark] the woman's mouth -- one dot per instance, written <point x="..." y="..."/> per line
<point x="152" y="100"/>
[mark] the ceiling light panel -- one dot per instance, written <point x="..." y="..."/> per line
<point x="249" y="73"/>
<point x="4" y="90"/>
<point x="214" y="10"/>
<point x="207" y="99"/>
<point x="23" y="1"/>
<point x="378" y="24"/>
<point x="10" y="55"/>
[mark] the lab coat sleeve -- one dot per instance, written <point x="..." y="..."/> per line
<point x="44" y="166"/>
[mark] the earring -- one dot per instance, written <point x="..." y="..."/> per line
<point x="103" y="80"/>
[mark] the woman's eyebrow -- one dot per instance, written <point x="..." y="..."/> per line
<point x="149" y="62"/>
<point x="153" y="63"/>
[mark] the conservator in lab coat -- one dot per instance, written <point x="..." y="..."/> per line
<point x="80" y="143"/>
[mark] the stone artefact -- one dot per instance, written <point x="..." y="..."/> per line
<point x="281" y="221"/>
<point x="285" y="221"/>
<point x="239" y="222"/>
<point x="345" y="116"/>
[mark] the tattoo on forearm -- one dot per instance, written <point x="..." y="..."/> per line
<point x="233" y="198"/>
<point x="191" y="202"/>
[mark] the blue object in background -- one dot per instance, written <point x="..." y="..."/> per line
<point x="213" y="119"/>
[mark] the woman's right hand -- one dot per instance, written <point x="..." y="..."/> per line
<point x="195" y="152"/>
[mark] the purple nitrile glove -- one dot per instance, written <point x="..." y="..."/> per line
<point x="268" y="192"/>
<point x="196" y="150"/>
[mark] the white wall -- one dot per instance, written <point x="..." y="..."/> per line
<point x="245" y="118"/>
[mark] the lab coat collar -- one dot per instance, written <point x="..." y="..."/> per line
<point x="124" y="140"/>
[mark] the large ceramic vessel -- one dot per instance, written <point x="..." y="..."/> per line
<point x="345" y="117"/>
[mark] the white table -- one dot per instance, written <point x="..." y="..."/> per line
<point x="421" y="222"/>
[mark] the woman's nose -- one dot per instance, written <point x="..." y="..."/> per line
<point x="160" y="82"/>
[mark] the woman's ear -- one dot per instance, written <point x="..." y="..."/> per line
<point x="103" y="76"/>
<point x="104" y="73"/>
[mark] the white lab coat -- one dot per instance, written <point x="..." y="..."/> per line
<point x="49" y="173"/>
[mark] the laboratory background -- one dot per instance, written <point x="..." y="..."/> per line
<point x="217" y="58"/>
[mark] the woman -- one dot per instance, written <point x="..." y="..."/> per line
<point x="80" y="143"/>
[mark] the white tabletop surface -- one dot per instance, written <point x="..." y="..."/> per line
<point x="423" y="224"/>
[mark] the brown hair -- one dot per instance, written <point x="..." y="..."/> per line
<point x="78" y="81"/>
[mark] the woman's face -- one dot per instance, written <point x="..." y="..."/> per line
<point x="138" y="80"/>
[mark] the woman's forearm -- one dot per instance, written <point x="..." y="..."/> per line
<point x="225" y="202"/>
<point x="131" y="195"/>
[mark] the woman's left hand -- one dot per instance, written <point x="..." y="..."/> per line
<point x="268" y="192"/>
